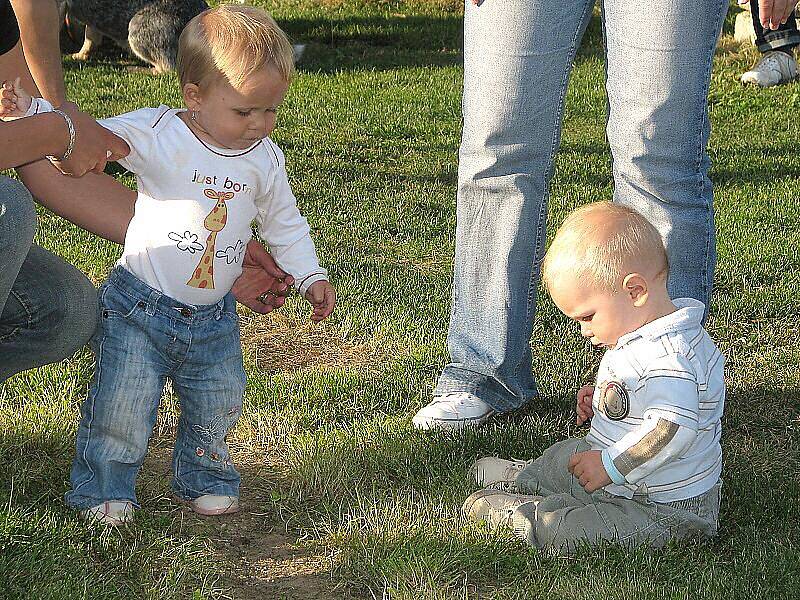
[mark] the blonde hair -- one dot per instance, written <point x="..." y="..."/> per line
<point x="232" y="42"/>
<point x="601" y="243"/>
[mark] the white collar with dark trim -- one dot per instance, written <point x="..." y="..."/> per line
<point x="688" y="316"/>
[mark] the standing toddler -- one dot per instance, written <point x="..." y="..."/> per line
<point x="204" y="174"/>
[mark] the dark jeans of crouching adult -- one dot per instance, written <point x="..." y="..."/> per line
<point x="785" y="37"/>
<point x="48" y="308"/>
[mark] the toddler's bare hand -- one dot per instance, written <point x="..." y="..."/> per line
<point x="322" y="297"/>
<point x="584" y="408"/>
<point x="588" y="469"/>
<point x="14" y="100"/>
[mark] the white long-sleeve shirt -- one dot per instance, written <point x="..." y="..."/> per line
<point x="195" y="206"/>
<point x="658" y="406"/>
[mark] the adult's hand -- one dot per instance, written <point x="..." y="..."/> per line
<point x="774" y="13"/>
<point x="94" y="145"/>
<point x="262" y="286"/>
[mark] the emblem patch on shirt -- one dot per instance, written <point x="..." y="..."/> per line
<point x="614" y="401"/>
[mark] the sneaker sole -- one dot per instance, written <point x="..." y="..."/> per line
<point x="451" y="424"/>
<point x="472" y="499"/>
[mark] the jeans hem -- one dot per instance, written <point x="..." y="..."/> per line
<point x="458" y="379"/>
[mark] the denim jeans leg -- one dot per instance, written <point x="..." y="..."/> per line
<point x="120" y="410"/>
<point x="517" y="58"/>
<point x="209" y="384"/>
<point x="50" y="313"/>
<point x="658" y="73"/>
<point x="17" y="228"/>
<point x="48" y="309"/>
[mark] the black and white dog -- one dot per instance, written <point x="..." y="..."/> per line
<point x="148" y="28"/>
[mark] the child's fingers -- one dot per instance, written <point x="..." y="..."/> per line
<point x="573" y="461"/>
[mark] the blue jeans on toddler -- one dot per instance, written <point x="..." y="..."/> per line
<point x="144" y="337"/>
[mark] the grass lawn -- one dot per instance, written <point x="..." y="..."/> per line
<point x="342" y="498"/>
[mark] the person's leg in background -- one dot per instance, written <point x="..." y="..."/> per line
<point x="48" y="309"/>
<point x="777" y="64"/>
<point x="517" y="58"/>
<point x="658" y="74"/>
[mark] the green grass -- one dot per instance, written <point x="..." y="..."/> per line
<point x="370" y="130"/>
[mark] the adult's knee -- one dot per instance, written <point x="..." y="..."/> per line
<point x="78" y="312"/>
<point x="658" y="167"/>
<point x="17" y="216"/>
<point x="71" y="318"/>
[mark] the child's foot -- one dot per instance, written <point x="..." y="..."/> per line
<point x="112" y="512"/>
<point x="774" y="68"/>
<point x="496" y="507"/>
<point x="211" y="505"/>
<point x="497" y="473"/>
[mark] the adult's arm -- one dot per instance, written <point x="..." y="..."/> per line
<point x="95" y="202"/>
<point x="39" y="26"/>
<point x="30" y="139"/>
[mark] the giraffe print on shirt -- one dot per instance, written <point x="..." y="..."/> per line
<point x="203" y="275"/>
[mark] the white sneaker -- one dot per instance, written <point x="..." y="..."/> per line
<point x="774" y="68"/>
<point x="496" y="507"/>
<point x="497" y="473"/>
<point x="211" y="505"/>
<point x="453" y="412"/>
<point x="111" y="512"/>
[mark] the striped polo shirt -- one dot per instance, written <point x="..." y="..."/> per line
<point x="657" y="406"/>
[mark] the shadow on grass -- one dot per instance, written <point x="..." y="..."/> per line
<point x="364" y="43"/>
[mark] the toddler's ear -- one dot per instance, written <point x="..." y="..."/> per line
<point x="636" y="287"/>
<point x="191" y="96"/>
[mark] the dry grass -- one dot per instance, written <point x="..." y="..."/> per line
<point x="279" y="343"/>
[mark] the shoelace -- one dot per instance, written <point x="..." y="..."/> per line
<point x="771" y="63"/>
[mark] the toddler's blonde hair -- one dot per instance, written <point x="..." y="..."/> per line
<point x="232" y="41"/>
<point x="601" y="243"/>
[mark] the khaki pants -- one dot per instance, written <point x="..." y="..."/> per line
<point x="568" y="517"/>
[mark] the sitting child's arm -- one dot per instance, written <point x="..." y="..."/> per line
<point x="668" y="429"/>
<point x="287" y="234"/>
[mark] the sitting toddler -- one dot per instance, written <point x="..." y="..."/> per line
<point x="649" y="469"/>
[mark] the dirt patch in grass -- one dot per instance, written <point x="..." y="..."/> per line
<point x="282" y="344"/>
<point x="258" y="558"/>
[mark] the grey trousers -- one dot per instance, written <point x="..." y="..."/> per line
<point x="568" y="517"/>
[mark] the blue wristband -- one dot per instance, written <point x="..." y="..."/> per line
<point x="611" y="468"/>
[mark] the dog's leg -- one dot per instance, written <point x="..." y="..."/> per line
<point x="92" y="38"/>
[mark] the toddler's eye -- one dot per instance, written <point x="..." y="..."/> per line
<point x="243" y="113"/>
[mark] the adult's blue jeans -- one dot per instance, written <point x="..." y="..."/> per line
<point x="144" y="337"/>
<point x="517" y="59"/>
<point x="48" y="309"/>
